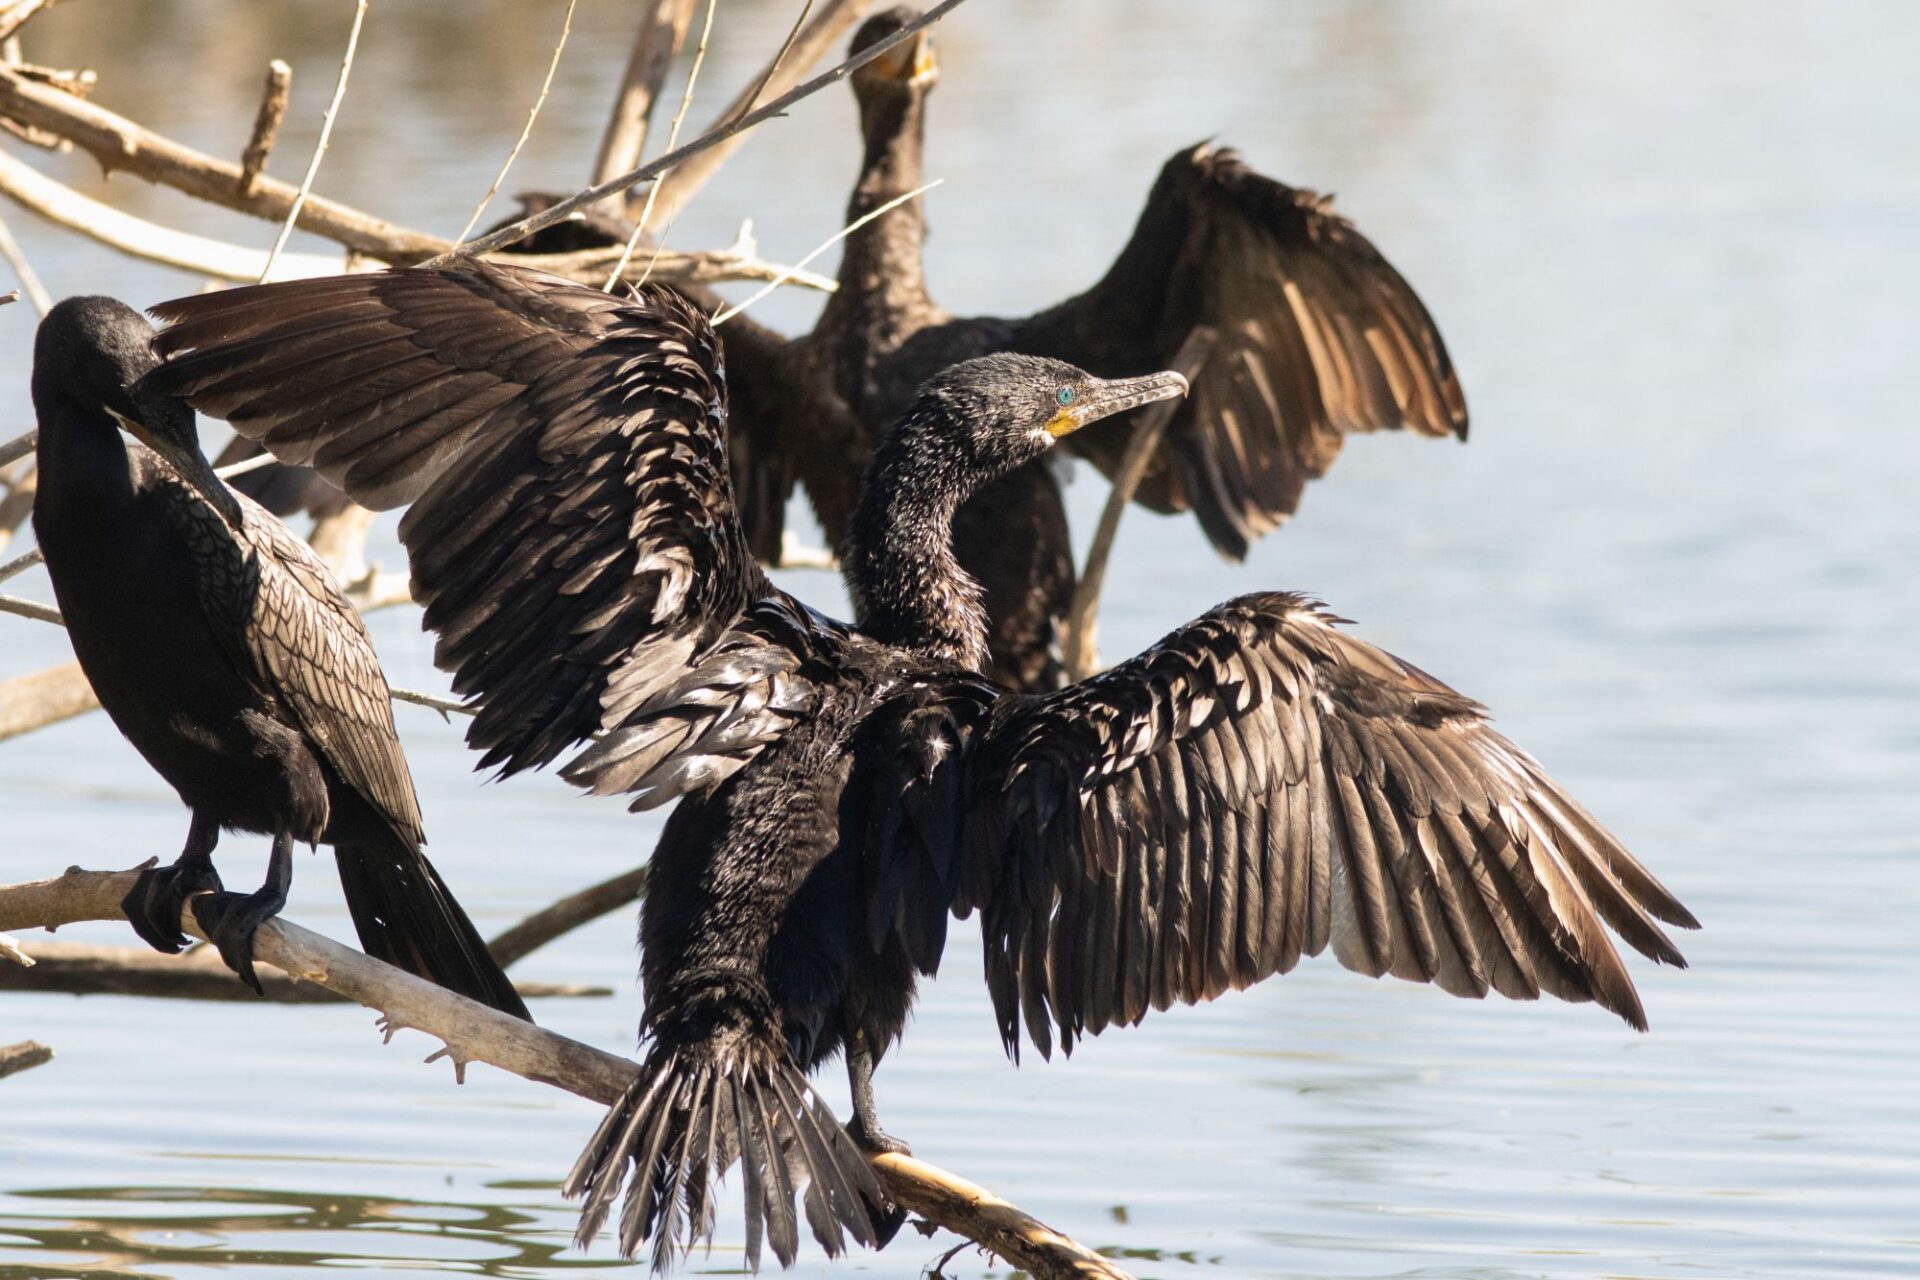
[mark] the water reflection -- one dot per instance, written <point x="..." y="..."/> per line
<point x="1677" y="269"/>
<point x="147" y="1231"/>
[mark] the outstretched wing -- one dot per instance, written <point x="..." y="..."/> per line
<point x="573" y="532"/>
<point x="1257" y="785"/>
<point x="1315" y="335"/>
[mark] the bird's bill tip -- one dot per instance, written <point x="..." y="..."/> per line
<point x="1116" y="395"/>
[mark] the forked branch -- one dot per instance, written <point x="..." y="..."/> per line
<point x="471" y="1032"/>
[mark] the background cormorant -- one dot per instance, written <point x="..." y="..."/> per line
<point x="221" y="647"/>
<point x="1253" y="788"/>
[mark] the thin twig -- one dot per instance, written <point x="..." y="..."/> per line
<point x="29" y="278"/>
<point x="434" y="702"/>
<point x="15" y="15"/>
<point x="566" y="29"/>
<point x="859" y="222"/>
<point x="19" y="565"/>
<point x="326" y="132"/>
<point x="18" y="447"/>
<point x="746" y="101"/>
<point x="472" y="1032"/>
<point x="566" y="915"/>
<point x="663" y="29"/>
<point x="31" y="609"/>
<point x="520" y="230"/>
<point x="673" y="137"/>
<point x="821" y="34"/>
<point x="266" y="124"/>
<point x="1080" y="652"/>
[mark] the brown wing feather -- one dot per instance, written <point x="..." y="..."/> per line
<point x="1316" y="336"/>
<point x="1259" y="785"/>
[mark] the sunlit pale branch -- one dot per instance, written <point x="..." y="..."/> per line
<point x="266" y="123"/>
<point x="471" y="1032"/>
<point x="560" y="211"/>
<point x="781" y="74"/>
<point x="861" y="221"/>
<point x="136" y="237"/>
<point x="29" y="278"/>
<point x="119" y="143"/>
<point x="673" y="136"/>
<point x="566" y="29"/>
<point x="320" y="147"/>
<point x="663" y="28"/>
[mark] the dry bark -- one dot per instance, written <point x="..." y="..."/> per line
<point x="471" y="1032"/>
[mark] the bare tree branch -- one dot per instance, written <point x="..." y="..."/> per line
<point x="79" y="969"/>
<point x="663" y="29"/>
<point x="517" y="231"/>
<point x="568" y="914"/>
<point x="16" y="15"/>
<point x="65" y="207"/>
<point x="15" y="1058"/>
<point x="566" y="29"/>
<point x="326" y="133"/>
<point x="1080" y="655"/>
<point x="119" y="143"/>
<point x="266" y="123"/>
<point x="471" y="1032"/>
<point x="781" y="74"/>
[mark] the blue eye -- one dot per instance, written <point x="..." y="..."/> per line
<point x="1064" y="396"/>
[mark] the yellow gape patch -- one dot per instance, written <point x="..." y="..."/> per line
<point x="1062" y="423"/>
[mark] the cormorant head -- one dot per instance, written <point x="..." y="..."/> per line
<point x="908" y="67"/>
<point x="979" y="419"/>
<point x="89" y="356"/>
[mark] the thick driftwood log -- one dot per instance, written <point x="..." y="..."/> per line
<point x="473" y="1033"/>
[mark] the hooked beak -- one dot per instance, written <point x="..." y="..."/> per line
<point x="1118" y="395"/>
<point x="190" y="465"/>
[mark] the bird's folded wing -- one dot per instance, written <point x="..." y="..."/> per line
<point x="1315" y="335"/>
<point x="573" y="533"/>
<point x="1260" y="784"/>
<point x="275" y="611"/>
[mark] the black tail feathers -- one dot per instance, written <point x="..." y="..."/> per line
<point x="406" y="916"/>
<point x="697" y="1109"/>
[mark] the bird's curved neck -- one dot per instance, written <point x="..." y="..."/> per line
<point x="880" y="276"/>
<point x="908" y="589"/>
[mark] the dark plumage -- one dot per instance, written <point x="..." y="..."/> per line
<point x="219" y="644"/>
<point x="1255" y="787"/>
<point x="1316" y="337"/>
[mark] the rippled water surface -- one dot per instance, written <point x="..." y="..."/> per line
<point x="1673" y="249"/>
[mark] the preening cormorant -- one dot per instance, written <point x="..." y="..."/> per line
<point x="1315" y="336"/>
<point x="220" y="646"/>
<point x="1256" y="787"/>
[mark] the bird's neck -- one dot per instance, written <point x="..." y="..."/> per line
<point x="880" y="278"/>
<point x="907" y="587"/>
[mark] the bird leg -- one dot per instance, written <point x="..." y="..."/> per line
<point x="866" y="1128"/>
<point x="866" y="1131"/>
<point x="231" y="919"/>
<point x="153" y="904"/>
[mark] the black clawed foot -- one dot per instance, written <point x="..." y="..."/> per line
<point x="154" y="903"/>
<point x="874" y="1140"/>
<point x="230" y="921"/>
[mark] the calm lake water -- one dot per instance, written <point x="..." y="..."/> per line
<point x="1673" y="249"/>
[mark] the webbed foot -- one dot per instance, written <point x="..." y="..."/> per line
<point x="230" y="921"/>
<point x="154" y="903"/>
